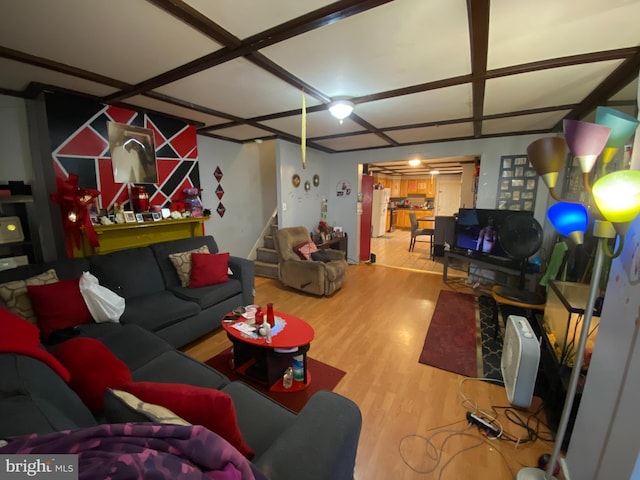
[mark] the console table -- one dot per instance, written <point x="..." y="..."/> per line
<point x="488" y="263"/>
<point x="338" y="243"/>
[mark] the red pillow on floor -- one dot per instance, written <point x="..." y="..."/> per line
<point x="21" y="337"/>
<point x="59" y="305"/>
<point x="93" y="368"/>
<point x="209" y="269"/>
<point x="208" y="407"/>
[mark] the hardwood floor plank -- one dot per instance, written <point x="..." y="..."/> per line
<point x="374" y="329"/>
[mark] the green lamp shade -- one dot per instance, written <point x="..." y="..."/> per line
<point x="617" y="196"/>
<point x="622" y="128"/>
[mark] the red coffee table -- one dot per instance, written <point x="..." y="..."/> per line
<point x="267" y="362"/>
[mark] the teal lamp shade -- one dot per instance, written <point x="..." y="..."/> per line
<point x="569" y="219"/>
<point x="622" y="127"/>
<point x="547" y="155"/>
<point x="586" y="141"/>
<point x="617" y="196"/>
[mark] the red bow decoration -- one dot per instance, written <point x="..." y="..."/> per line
<point x="73" y="202"/>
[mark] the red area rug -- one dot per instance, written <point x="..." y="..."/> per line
<point x="452" y="341"/>
<point x="323" y="377"/>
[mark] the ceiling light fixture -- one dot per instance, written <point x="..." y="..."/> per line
<point x="414" y="162"/>
<point x="341" y="108"/>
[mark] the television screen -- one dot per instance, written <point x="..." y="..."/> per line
<point x="477" y="230"/>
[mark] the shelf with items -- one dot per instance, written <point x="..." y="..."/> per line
<point x="22" y="207"/>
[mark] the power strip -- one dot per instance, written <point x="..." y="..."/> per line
<point x="476" y="420"/>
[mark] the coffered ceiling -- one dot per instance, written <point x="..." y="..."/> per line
<point x="418" y="71"/>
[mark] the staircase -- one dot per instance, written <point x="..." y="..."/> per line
<point x="266" y="263"/>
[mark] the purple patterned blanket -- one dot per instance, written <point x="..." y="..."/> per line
<point x="132" y="450"/>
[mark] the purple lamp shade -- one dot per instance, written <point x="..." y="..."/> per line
<point x="586" y="141"/>
<point x="569" y="219"/>
<point x="547" y="155"/>
<point x="622" y="126"/>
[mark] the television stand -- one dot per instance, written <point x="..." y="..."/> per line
<point x="531" y="279"/>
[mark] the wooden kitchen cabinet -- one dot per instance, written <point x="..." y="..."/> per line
<point x="403" y="188"/>
<point x="430" y="191"/>
<point x="412" y="185"/>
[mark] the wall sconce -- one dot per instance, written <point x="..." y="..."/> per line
<point x="341" y="108"/>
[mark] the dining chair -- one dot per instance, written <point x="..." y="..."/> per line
<point x="416" y="232"/>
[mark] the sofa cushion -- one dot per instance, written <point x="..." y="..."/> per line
<point x="130" y="273"/>
<point x="68" y="268"/>
<point x="58" y="305"/>
<point x="14" y="294"/>
<point x="124" y="407"/>
<point x="131" y="343"/>
<point x="158" y="310"/>
<point x="93" y="368"/>
<point x="305" y="249"/>
<point x="210" y="408"/>
<point x="34" y="399"/>
<point x="211" y="295"/>
<point x="176" y="367"/>
<point x="209" y="269"/>
<point x="183" y="264"/>
<point x="162" y="251"/>
<point x="260" y="419"/>
<point x="21" y="337"/>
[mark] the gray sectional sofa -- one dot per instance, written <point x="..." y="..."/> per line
<point x="154" y="298"/>
<point x="319" y="443"/>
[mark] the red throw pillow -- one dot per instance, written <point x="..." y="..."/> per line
<point x="21" y="337"/>
<point x="208" y="269"/>
<point x="59" y="305"/>
<point x="210" y="408"/>
<point x="304" y="250"/>
<point x="93" y="368"/>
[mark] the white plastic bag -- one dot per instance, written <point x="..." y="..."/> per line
<point x="104" y="305"/>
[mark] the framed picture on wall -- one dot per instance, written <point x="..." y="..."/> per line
<point x="133" y="154"/>
<point x="517" y="184"/>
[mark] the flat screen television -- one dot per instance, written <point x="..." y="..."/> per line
<point x="477" y="230"/>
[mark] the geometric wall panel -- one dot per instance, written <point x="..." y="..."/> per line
<point x="80" y="145"/>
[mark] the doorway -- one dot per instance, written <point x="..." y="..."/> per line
<point x="448" y="197"/>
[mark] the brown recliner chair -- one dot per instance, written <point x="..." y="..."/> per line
<point x="311" y="276"/>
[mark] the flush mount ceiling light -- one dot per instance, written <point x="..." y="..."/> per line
<point x="341" y="108"/>
<point x="414" y="162"/>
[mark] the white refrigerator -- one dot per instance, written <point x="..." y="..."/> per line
<point x="379" y="211"/>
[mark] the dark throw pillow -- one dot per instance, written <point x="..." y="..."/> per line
<point x="320" y="256"/>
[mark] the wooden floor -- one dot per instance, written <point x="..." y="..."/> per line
<point x="374" y="328"/>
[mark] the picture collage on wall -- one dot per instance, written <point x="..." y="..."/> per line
<point x="517" y="184"/>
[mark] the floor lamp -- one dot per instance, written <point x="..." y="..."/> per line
<point x="617" y="198"/>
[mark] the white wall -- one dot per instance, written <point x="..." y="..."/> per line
<point x="15" y="159"/>
<point x="249" y="183"/>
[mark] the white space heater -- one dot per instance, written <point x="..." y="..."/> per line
<point x="519" y="362"/>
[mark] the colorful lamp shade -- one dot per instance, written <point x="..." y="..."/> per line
<point x="617" y="196"/>
<point x="586" y="141"/>
<point x="622" y="127"/>
<point x="569" y="219"/>
<point x="547" y="156"/>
